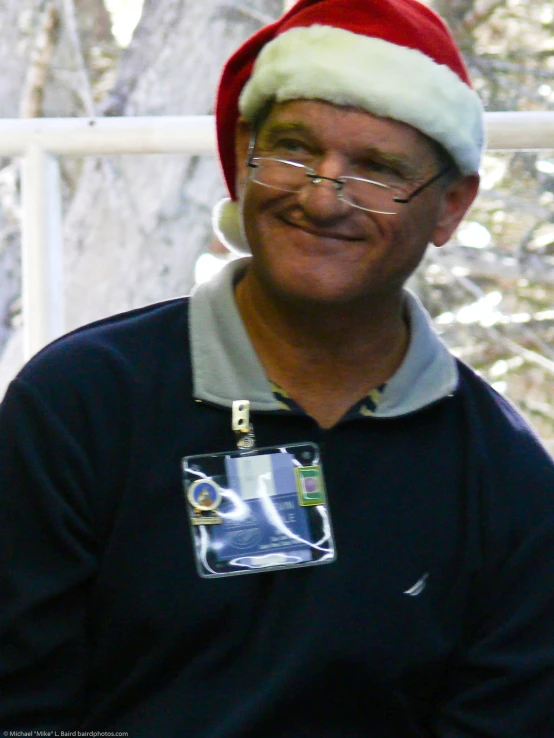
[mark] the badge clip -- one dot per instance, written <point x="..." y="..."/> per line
<point x="242" y="427"/>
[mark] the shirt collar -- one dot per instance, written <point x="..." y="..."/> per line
<point x="226" y="367"/>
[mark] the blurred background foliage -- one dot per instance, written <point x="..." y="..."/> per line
<point x="491" y="291"/>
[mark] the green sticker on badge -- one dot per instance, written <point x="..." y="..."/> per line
<point x="309" y="484"/>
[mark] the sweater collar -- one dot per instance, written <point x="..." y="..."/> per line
<point x="226" y="367"/>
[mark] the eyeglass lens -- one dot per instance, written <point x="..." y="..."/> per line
<point x="292" y="177"/>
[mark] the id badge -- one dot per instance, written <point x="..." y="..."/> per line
<point x="261" y="510"/>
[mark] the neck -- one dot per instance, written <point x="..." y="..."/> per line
<point x="326" y="357"/>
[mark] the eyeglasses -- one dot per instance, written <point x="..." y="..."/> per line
<point x="365" y="194"/>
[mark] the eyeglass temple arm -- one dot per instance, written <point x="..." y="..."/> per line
<point x="424" y="186"/>
<point x="251" y="147"/>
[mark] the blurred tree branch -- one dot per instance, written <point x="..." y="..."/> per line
<point x="83" y="86"/>
<point x="41" y="57"/>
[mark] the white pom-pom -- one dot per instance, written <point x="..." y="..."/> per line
<point x="226" y="224"/>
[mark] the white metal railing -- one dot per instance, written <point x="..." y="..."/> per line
<point x="41" y="141"/>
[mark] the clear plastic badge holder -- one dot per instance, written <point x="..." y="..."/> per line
<point x="259" y="510"/>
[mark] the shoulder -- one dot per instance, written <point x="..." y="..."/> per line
<point x="507" y="460"/>
<point x="129" y="338"/>
<point x="492" y="411"/>
<point x="110" y="360"/>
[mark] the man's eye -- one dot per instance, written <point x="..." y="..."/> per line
<point x="379" y="171"/>
<point x="291" y="146"/>
<point x="373" y="167"/>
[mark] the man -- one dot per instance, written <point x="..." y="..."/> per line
<point x="296" y="422"/>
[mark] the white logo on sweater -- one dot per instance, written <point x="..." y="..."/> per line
<point x="418" y="587"/>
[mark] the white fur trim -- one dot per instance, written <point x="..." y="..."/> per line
<point x="226" y="222"/>
<point x="388" y="80"/>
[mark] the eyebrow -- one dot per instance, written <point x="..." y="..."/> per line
<point x="272" y="130"/>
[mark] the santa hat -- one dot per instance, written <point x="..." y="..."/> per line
<point x="393" y="58"/>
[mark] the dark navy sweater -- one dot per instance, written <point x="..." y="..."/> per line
<point x="105" y="624"/>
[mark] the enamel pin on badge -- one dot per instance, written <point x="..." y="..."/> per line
<point x="309" y="484"/>
<point x="205" y="497"/>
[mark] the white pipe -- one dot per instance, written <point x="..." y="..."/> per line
<point x="196" y="134"/>
<point x="42" y="258"/>
<point x="520" y="131"/>
<point x="89" y="136"/>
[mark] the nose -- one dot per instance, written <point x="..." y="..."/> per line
<point x="320" y="197"/>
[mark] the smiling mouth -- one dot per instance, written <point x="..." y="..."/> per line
<point x="323" y="234"/>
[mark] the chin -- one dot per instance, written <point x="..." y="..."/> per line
<point x="307" y="290"/>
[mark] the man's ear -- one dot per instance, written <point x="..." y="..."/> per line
<point x="456" y="201"/>
<point x="243" y="136"/>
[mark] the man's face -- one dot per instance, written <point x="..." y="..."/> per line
<point x="311" y="246"/>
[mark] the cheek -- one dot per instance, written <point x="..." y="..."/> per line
<point x="419" y="224"/>
<point x="241" y="182"/>
<point x="253" y="231"/>
<point x="257" y="218"/>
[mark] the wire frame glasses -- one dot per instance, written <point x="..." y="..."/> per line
<point x="365" y="194"/>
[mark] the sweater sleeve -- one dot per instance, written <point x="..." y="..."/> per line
<point x="47" y="559"/>
<point x="502" y="685"/>
<point x="501" y="681"/>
